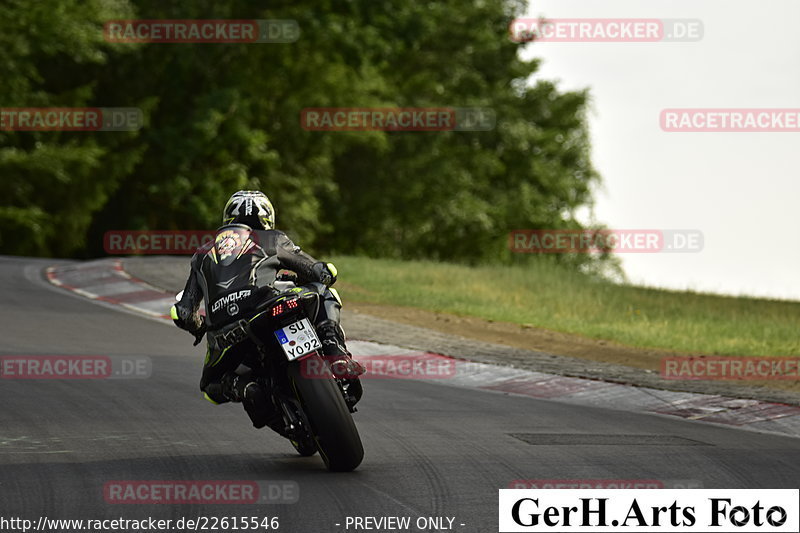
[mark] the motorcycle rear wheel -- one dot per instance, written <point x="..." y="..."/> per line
<point x="332" y="425"/>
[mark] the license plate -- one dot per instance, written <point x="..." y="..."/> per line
<point x="298" y="339"/>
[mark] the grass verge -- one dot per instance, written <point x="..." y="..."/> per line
<point x="547" y="296"/>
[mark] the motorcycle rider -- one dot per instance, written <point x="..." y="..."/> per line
<point x="231" y="286"/>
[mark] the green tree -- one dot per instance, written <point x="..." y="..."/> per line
<point x="51" y="181"/>
<point x="220" y="117"/>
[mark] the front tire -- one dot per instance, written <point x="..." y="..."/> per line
<point x="335" y="433"/>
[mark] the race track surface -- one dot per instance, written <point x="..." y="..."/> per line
<point x="431" y="449"/>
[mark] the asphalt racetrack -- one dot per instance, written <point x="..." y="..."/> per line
<point x="431" y="450"/>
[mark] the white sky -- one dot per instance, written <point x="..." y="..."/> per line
<point x="741" y="190"/>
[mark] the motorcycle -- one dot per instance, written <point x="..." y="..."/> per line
<point x="307" y="403"/>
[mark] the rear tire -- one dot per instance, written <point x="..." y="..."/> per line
<point x="335" y="433"/>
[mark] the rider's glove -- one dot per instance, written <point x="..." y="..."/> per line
<point x="324" y="272"/>
<point x="198" y="330"/>
<point x="198" y="335"/>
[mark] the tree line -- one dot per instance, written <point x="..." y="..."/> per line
<point x="222" y="117"/>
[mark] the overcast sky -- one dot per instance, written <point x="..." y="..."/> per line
<point x="741" y="190"/>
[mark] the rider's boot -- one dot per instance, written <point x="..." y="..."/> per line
<point x="335" y="352"/>
<point x="233" y="386"/>
<point x="252" y="397"/>
<point x="258" y="407"/>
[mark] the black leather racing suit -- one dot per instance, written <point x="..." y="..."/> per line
<point x="226" y="274"/>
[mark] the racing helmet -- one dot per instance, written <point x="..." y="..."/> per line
<point x="249" y="207"/>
